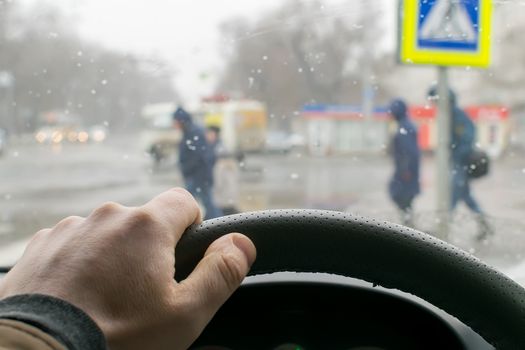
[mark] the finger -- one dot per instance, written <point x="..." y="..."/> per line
<point x="176" y="208"/>
<point x="220" y="272"/>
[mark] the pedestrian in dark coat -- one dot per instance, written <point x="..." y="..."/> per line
<point x="404" y="185"/>
<point x="196" y="162"/>
<point x="461" y="147"/>
<point x="462" y="140"/>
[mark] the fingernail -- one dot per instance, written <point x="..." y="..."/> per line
<point x="245" y="245"/>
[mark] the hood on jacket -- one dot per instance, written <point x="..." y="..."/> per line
<point x="433" y="93"/>
<point x="398" y="109"/>
<point x="182" y="116"/>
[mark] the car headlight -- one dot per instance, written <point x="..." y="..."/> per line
<point x="57" y="137"/>
<point x="72" y="136"/>
<point x="83" y="136"/>
<point x="99" y="135"/>
<point x="41" y="137"/>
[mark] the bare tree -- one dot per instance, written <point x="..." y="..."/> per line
<point x="299" y="54"/>
<point x="55" y="69"/>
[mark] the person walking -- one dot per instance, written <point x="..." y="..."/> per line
<point x="196" y="161"/>
<point x="462" y="140"/>
<point x="404" y="185"/>
<point x="226" y="173"/>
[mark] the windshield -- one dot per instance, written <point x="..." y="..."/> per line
<point x="400" y="111"/>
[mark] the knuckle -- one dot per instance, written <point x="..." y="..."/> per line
<point x="69" y="221"/>
<point x="40" y="234"/>
<point x="184" y="196"/>
<point x="230" y="269"/>
<point x="182" y="191"/>
<point x="107" y="209"/>
<point x="142" y="216"/>
<point x="144" y="221"/>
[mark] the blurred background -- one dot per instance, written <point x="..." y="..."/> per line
<point x="300" y="90"/>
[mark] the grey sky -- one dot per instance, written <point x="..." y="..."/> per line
<point x="185" y="32"/>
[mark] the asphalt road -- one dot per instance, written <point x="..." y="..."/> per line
<point x="42" y="184"/>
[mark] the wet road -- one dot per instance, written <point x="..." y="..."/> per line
<point x="42" y="184"/>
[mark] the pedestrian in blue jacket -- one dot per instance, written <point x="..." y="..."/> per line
<point x="462" y="141"/>
<point x="196" y="162"/>
<point x="404" y="185"/>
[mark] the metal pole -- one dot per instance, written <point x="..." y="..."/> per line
<point x="443" y="153"/>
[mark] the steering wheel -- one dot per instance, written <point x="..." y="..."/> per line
<point x="382" y="253"/>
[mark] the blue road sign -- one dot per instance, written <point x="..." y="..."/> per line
<point x="445" y="24"/>
<point x="446" y="32"/>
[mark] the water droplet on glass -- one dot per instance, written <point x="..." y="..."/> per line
<point x="250" y="82"/>
<point x="294" y="176"/>
<point x="265" y="58"/>
<point x="104" y="82"/>
<point x="93" y="92"/>
<point x="79" y="53"/>
<point x="300" y="70"/>
<point x="403" y="131"/>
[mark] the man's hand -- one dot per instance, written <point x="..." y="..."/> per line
<point x="118" y="266"/>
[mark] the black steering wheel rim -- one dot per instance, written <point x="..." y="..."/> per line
<point x="379" y="252"/>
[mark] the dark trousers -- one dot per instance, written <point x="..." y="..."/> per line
<point x="204" y="193"/>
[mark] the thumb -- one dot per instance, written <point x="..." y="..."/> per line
<point x="220" y="272"/>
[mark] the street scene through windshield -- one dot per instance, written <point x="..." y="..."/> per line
<point x="411" y="112"/>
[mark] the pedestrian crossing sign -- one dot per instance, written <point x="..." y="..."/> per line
<point x="445" y="32"/>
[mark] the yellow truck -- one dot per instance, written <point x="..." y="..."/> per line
<point x="243" y="124"/>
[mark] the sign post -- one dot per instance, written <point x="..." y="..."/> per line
<point x="445" y="33"/>
<point x="443" y="173"/>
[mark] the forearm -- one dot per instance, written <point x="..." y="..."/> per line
<point x="36" y="322"/>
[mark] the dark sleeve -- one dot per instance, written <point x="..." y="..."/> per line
<point x="463" y="137"/>
<point x="402" y="153"/>
<point x="64" y="322"/>
<point x="193" y="157"/>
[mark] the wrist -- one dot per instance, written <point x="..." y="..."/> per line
<point x="63" y="321"/>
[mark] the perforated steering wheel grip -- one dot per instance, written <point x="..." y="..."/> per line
<point x="383" y="253"/>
